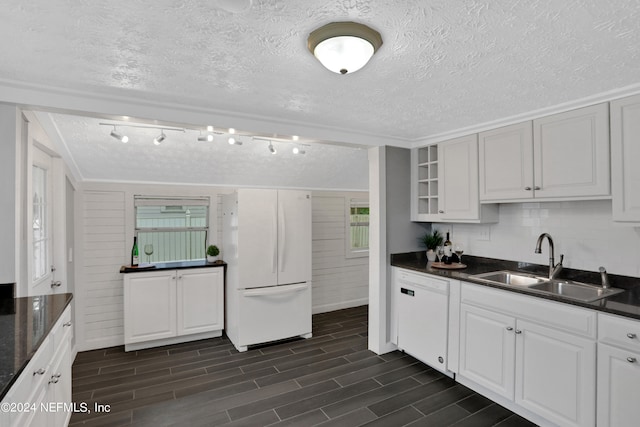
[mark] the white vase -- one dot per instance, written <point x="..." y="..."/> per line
<point x="431" y="255"/>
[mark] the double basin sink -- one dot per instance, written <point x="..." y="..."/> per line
<point x="558" y="287"/>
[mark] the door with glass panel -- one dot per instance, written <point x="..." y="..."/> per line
<point x="41" y="202"/>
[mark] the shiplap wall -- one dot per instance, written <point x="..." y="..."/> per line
<point x="105" y="233"/>
<point x="100" y="303"/>
<point x="338" y="282"/>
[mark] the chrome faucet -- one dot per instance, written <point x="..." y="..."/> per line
<point x="554" y="269"/>
<point x="604" y="278"/>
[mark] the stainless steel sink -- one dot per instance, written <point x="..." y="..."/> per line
<point x="509" y="278"/>
<point x="574" y="290"/>
<point x="562" y="288"/>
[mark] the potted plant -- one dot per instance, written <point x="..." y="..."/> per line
<point x="431" y="241"/>
<point x="212" y="253"/>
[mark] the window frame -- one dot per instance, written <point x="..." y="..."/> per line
<point x="350" y="251"/>
<point x="140" y="200"/>
<point x="42" y="161"/>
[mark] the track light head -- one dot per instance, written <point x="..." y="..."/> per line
<point x="231" y="140"/>
<point x="119" y="137"/>
<point x="297" y="150"/>
<point x="158" y="139"/>
<point x="205" y="138"/>
<point x="271" y="149"/>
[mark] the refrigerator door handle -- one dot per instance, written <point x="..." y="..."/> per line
<point x="282" y="227"/>
<point x="274" y="237"/>
<point x="275" y="290"/>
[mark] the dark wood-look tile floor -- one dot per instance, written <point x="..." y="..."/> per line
<point x="328" y="380"/>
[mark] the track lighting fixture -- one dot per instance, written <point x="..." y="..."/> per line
<point x="271" y="149"/>
<point x="119" y="137"/>
<point x="158" y="139"/>
<point x="206" y="138"/>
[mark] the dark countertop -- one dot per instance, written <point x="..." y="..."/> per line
<point x="624" y="304"/>
<point x="200" y="263"/>
<point x="24" y="323"/>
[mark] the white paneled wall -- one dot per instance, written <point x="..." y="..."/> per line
<point x="582" y="231"/>
<point x="337" y="281"/>
<point x="99" y="302"/>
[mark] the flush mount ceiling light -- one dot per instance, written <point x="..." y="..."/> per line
<point x="119" y="137"/>
<point x="344" y="47"/>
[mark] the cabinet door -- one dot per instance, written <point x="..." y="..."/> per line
<point x="487" y="349"/>
<point x="625" y="155"/>
<point x="458" y="163"/>
<point x="257" y="251"/>
<point x="555" y="374"/>
<point x="200" y="300"/>
<point x="294" y="236"/>
<point x="571" y="153"/>
<point x="149" y="306"/>
<point x="506" y="163"/>
<point x="618" y="379"/>
<point x="423" y="322"/>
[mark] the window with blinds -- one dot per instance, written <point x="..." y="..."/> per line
<point x="171" y="229"/>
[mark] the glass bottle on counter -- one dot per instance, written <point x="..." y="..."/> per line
<point x="448" y="251"/>
<point x="134" y="253"/>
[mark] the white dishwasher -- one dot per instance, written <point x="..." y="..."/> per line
<point x="423" y="313"/>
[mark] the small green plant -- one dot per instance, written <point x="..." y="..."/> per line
<point x="212" y="250"/>
<point x="432" y="240"/>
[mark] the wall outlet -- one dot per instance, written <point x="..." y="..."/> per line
<point x="483" y="233"/>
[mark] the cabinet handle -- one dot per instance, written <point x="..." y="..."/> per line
<point x="56" y="284"/>
<point x="66" y="324"/>
<point x="509" y="328"/>
<point x="631" y="359"/>
<point x="54" y="380"/>
<point x="39" y="372"/>
<point x="518" y="331"/>
<point x="536" y="188"/>
<point x="173" y="278"/>
<point x="58" y="375"/>
<point x="631" y="335"/>
<point x="440" y="211"/>
<point x="527" y="188"/>
<point x="180" y="277"/>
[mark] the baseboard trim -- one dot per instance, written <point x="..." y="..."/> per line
<point x="339" y="305"/>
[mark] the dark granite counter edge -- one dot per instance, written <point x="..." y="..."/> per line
<point x="626" y="304"/>
<point x="179" y="265"/>
<point x="4" y="388"/>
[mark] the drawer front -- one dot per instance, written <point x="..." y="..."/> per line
<point x="561" y="316"/>
<point x="428" y="282"/>
<point x="62" y="328"/>
<point x="619" y="331"/>
<point x="34" y="375"/>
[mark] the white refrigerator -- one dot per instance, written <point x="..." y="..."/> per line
<point x="267" y="246"/>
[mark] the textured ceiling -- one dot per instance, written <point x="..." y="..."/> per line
<point x="444" y="64"/>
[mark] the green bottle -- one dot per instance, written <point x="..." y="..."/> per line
<point x="134" y="253"/>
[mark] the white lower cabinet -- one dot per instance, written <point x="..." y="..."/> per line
<point x="171" y="306"/>
<point x="618" y="371"/>
<point x="422" y="316"/>
<point x="529" y="354"/>
<point x="45" y="383"/>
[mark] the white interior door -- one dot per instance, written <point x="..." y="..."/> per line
<point x="40" y="224"/>
<point x="294" y="236"/>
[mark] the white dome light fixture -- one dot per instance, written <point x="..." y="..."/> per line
<point x="344" y="47"/>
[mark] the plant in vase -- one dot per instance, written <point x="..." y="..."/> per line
<point x="212" y="253"/>
<point x="431" y="241"/>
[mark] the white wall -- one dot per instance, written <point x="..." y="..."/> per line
<point x="583" y="231"/>
<point x="338" y="282"/>
<point x="9" y="193"/>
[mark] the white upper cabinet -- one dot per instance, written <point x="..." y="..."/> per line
<point x="571" y="153"/>
<point x="445" y="183"/>
<point x="506" y="163"/>
<point x="559" y="157"/>
<point x="625" y="155"/>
